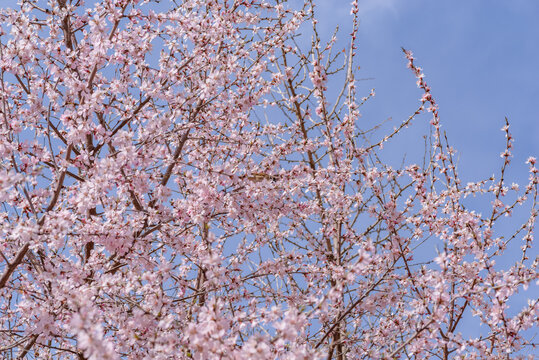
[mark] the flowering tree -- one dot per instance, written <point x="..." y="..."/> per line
<point x="189" y="182"/>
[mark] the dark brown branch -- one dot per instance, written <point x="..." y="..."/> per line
<point x="22" y="84"/>
<point x="177" y="153"/>
<point x="11" y="267"/>
<point x="66" y="26"/>
<point x="28" y="347"/>
<point x="22" y="252"/>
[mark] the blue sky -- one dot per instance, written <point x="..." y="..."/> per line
<point x="481" y="60"/>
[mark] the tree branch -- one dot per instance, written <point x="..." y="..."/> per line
<point x="22" y="252"/>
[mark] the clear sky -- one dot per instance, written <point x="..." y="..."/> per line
<point x="480" y="57"/>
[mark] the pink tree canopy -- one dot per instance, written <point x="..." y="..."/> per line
<point x="194" y="181"/>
